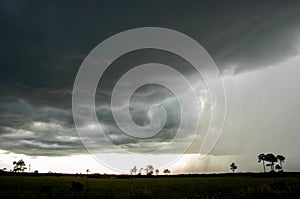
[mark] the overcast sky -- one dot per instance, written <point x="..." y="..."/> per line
<point x="254" y="44"/>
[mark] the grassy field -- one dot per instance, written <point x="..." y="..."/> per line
<point x="159" y="187"/>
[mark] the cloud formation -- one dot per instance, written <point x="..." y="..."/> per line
<point x="43" y="45"/>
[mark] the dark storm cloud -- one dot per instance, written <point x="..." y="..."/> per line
<point x="141" y="102"/>
<point x="32" y="129"/>
<point x="44" y="42"/>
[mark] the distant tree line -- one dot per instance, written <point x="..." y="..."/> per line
<point x="267" y="160"/>
<point x="149" y="170"/>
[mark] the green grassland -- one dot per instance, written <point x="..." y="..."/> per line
<point x="41" y="186"/>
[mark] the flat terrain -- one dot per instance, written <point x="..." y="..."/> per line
<point x="209" y="186"/>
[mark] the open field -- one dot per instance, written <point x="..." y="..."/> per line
<point x="209" y="186"/>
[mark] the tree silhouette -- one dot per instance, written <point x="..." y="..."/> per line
<point x="133" y="170"/>
<point x="233" y="167"/>
<point x="278" y="167"/>
<point x="87" y="172"/>
<point x="140" y="171"/>
<point x="281" y="159"/>
<point x="19" y="166"/>
<point x="270" y="157"/>
<point x="166" y="171"/>
<point x="149" y="169"/>
<point x="156" y="171"/>
<point x="262" y="158"/>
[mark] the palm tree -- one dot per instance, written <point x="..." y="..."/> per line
<point x="278" y="167"/>
<point x="270" y="157"/>
<point x="281" y="159"/>
<point x="233" y="167"/>
<point x="262" y="158"/>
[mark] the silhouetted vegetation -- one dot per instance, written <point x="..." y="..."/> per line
<point x="19" y="166"/>
<point x="281" y="159"/>
<point x="233" y="167"/>
<point x="166" y="171"/>
<point x="272" y="159"/>
<point x="144" y="184"/>
<point x="133" y="171"/>
<point x="262" y="158"/>
<point x="149" y="170"/>
<point x="278" y="167"/>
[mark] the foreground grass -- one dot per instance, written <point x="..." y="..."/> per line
<point x="185" y="187"/>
